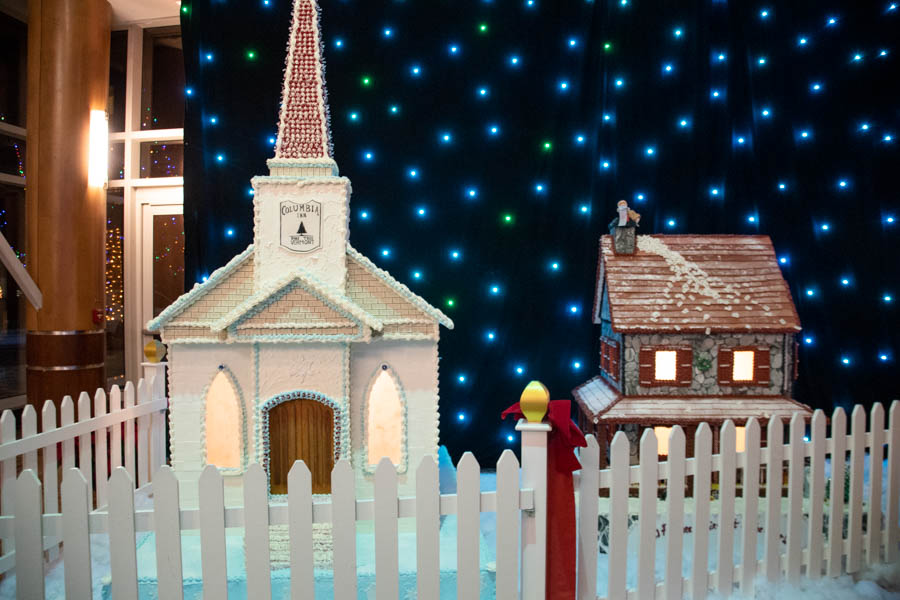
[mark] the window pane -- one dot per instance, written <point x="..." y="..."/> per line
<point x="162" y="100"/>
<point x="385" y="420"/>
<point x="12" y="300"/>
<point x="12" y="156"/>
<point x="662" y="440"/>
<point x="118" y="59"/>
<point x="223" y="424"/>
<point x="116" y="161"/>
<point x="13" y="70"/>
<point x="162" y="159"/>
<point x="665" y="365"/>
<point x="168" y="260"/>
<point x="743" y="366"/>
<point x="115" y="287"/>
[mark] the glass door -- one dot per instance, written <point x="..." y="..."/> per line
<point x="162" y="251"/>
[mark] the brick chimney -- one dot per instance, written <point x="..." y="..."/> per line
<point x="624" y="239"/>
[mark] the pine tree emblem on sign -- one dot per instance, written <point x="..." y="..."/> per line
<point x="301" y="226"/>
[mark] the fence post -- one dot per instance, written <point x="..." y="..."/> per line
<point x="534" y="522"/>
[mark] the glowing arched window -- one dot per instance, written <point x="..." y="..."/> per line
<point x="223" y="424"/>
<point x="384" y="420"/>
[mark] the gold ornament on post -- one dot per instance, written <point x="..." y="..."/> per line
<point x="534" y="400"/>
<point x="154" y="351"/>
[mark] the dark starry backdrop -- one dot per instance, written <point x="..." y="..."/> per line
<point x="526" y="121"/>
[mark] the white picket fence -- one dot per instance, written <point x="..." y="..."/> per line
<point x="121" y="522"/>
<point x="791" y="530"/>
<point x="129" y="435"/>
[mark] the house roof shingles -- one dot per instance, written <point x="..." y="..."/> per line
<point x="697" y="284"/>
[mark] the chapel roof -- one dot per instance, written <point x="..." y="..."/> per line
<point x="228" y="304"/>
<point x="696" y="284"/>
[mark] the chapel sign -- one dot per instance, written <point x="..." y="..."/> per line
<point x="301" y="225"/>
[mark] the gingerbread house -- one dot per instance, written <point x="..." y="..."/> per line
<point x="692" y="328"/>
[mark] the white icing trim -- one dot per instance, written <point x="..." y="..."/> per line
<point x="232" y="381"/>
<point x="198" y="291"/>
<point x="398" y="287"/>
<point x="364" y="432"/>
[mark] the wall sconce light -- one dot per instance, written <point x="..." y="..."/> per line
<point x="98" y="149"/>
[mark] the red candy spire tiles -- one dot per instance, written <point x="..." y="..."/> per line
<point x="303" y="131"/>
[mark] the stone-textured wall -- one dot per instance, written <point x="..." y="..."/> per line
<point x="705" y="383"/>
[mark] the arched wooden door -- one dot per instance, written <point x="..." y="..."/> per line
<point x="301" y="429"/>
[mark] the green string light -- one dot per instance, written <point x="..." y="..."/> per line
<point x="251" y="55"/>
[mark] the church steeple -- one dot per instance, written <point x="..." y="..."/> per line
<point x="301" y="210"/>
<point x="304" y="135"/>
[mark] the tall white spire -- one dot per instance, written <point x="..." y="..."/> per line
<point x="304" y="134"/>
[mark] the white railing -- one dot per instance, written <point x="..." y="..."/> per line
<point x="115" y="435"/>
<point x="343" y="510"/>
<point x="791" y="530"/>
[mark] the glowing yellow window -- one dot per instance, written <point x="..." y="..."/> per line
<point x="662" y="440"/>
<point x="664" y="368"/>
<point x="742" y="370"/>
<point x="740" y="439"/>
<point x="384" y="420"/>
<point x="223" y="424"/>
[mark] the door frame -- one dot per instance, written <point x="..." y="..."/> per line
<point x="262" y="419"/>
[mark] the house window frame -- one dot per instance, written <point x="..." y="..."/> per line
<point x="679" y="360"/>
<point x="364" y="420"/>
<point x="610" y="347"/>
<point x="757" y="380"/>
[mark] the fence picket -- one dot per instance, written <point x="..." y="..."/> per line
<point x="836" y="514"/>
<point x="300" y="518"/>
<point x="857" y="444"/>
<point x="727" y="478"/>
<point x="751" y="505"/>
<point x="29" y="429"/>
<point x="774" y="481"/>
<point x="619" y="483"/>
<point x="675" y="512"/>
<point x="428" y="520"/>
<point x="212" y="532"/>
<point x="167" y="526"/>
<point x="507" y="576"/>
<point x="67" y="417"/>
<point x="7" y="474"/>
<point x="122" y="551"/>
<point x="50" y="484"/>
<point x="128" y="426"/>
<point x="648" y="478"/>
<point x="874" y="535"/>
<point x="256" y="532"/>
<point x="893" y="496"/>
<point x="76" y="534"/>
<point x="796" y="475"/>
<point x="468" y="509"/>
<point x="387" y="569"/>
<point x="29" y="537"/>
<point x="115" y="440"/>
<point x="100" y="457"/>
<point x="343" y="512"/>
<point x="816" y="490"/>
<point x="143" y="435"/>
<point x="702" y="472"/>
<point x="587" y="520"/>
<point x="85" y="458"/>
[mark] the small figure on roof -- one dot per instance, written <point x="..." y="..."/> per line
<point x="626" y="218"/>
